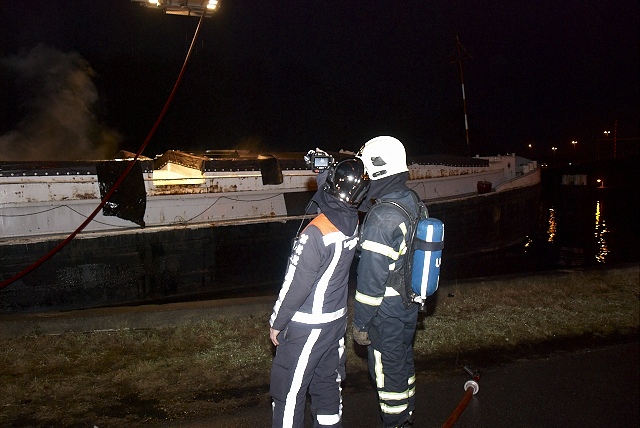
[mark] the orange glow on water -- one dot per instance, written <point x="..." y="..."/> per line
<point x="552" y="228"/>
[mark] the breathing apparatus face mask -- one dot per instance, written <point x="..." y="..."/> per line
<point x="341" y="188"/>
<point x="347" y="181"/>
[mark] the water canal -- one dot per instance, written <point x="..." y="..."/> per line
<point x="579" y="226"/>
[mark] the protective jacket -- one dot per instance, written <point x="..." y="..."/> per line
<point x="383" y="244"/>
<point x="314" y="291"/>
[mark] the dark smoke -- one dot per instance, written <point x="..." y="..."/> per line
<point x="57" y="97"/>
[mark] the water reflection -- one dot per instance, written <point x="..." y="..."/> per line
<point x="552" y="225"/>
<point x="566" y="237"/>
<point x="601" y="230"/>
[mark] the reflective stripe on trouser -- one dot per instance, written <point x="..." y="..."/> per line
<point x="310" y="360"/>
<point x="391" y="365"/>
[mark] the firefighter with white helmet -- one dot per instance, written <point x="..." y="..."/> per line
<point x="383" y="157"/>
<point x="382" y="320"/>
<point x="309" y="318"/>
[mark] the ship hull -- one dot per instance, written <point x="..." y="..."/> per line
<point x="217" y="235"/>
<point x="487" y="222"/>
<point x="207" y="262"/>
<point x="157" y="266"/>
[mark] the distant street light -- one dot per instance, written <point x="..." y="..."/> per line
<point x="574" y="142"/>
<point x="601" y="182"/>
<point x="554" y="154"/>
<point x="607" y="135"/>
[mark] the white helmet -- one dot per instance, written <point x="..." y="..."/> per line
<point x="383" y="156"/>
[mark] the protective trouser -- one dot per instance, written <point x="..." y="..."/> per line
<point x="391" y="365"/>
<point x="310" y="359"/>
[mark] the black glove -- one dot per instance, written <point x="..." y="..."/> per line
<point x="361" y="337"/>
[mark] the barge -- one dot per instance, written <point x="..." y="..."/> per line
<point x="188" y="226"/>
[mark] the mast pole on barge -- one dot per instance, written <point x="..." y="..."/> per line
<point x="460" y="49"/>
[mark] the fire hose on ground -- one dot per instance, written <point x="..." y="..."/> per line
<point x="471" y="388"/>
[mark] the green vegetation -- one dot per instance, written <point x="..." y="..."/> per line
<point x="137" y="377"/>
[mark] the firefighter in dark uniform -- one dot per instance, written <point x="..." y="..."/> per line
<point x="383" y="320"/>
<point x="309" y="318"/>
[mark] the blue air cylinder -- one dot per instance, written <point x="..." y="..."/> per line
<point x="428" y="244"/>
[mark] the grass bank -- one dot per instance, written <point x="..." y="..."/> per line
<point x="136" y="377"/>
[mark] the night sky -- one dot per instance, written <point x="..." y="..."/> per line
<point x="85" y="78"/>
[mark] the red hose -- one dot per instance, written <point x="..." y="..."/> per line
<point x="471" y="388"/>
<point x="120" y="179"/>
<point x="458" y="410"/>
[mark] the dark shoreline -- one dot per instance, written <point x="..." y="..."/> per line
<point x="172" y="314"/>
